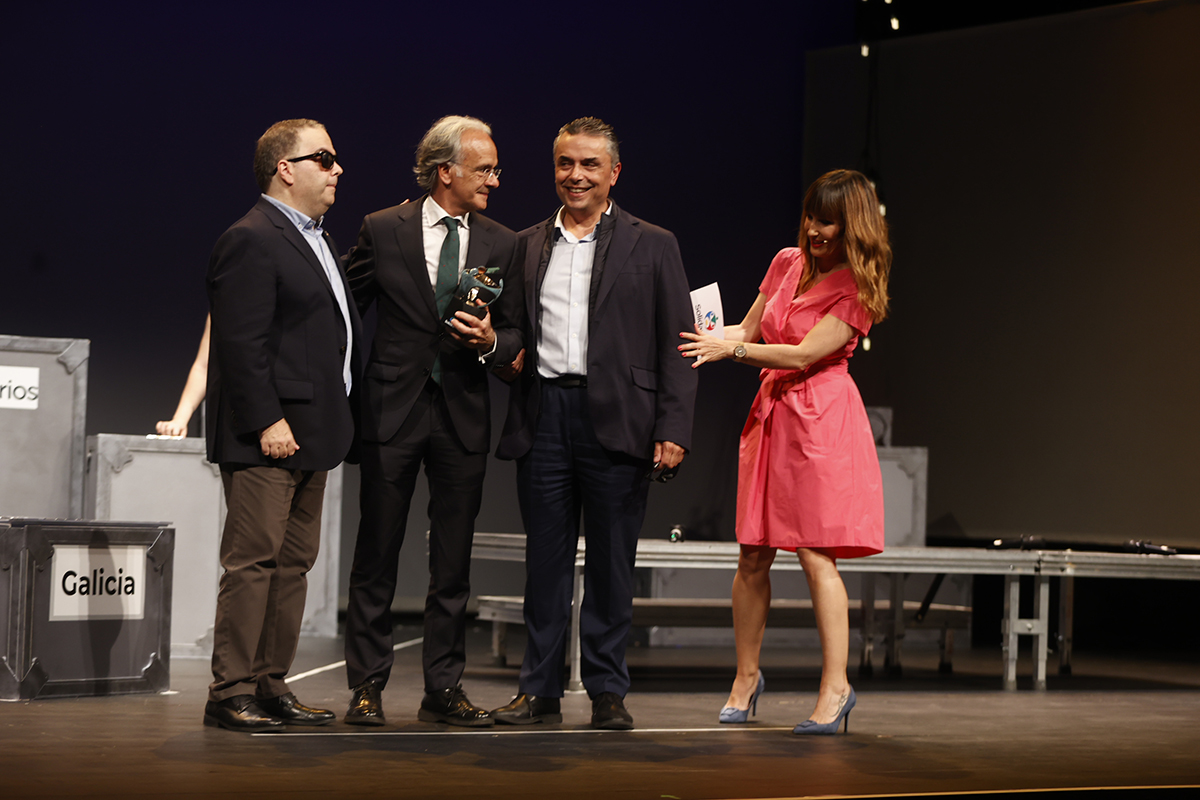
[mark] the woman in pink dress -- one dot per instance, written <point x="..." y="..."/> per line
<point x="808" y="475"/>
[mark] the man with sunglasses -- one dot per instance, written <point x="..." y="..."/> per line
<point x="602" y="404"/>
<point x="426" y="401"/>
<point x="282" y="364"/>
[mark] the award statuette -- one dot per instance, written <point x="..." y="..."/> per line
<point x="476" y="291"/>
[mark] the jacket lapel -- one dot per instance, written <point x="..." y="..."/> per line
<point x="410" y="238"/>
<point x="480" y="247"/>
<point x="624" y="237"/>
<point x="295" y="239"/>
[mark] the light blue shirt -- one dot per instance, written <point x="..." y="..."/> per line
<point x="563" y="333"/>
<point x="311" y="230"/>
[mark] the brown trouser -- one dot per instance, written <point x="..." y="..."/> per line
<point x="272" y="534"/>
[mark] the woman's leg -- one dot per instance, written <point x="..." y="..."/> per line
<point x="833" y="626"/>
<point x="751" y="602"/>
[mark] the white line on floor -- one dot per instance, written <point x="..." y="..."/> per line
<point x="525" y="732"/>
<point x="340" y="664"/>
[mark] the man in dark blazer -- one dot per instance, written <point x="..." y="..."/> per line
<point x="282" y="361"/>
<point x="426" y="401"/>
<point x="602" y="403"/>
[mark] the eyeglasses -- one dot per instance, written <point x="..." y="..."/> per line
<point x="484" y="172"/>
<point x="326" y="158"/>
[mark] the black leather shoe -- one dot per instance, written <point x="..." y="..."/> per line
<point x="366" y="705"/>
<point x="452" y="707"/>
<point x="287" y="708"/>
<point x="239" y="713"/>
<point x="608" y="713"/>
<point x="526" y="709"/>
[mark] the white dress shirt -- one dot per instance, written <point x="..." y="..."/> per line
<point x="434" y="236"/>
<point x="563" y="333"/>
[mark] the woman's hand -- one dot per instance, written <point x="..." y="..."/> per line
<point x="172" y="427"/>
<point x="705" y="348"/>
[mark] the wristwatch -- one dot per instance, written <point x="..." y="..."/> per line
<point x="739" y="351"/>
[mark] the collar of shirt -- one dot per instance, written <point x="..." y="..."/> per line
<point x="303" y="222"/>
<point x="565" y="234"/>
<point x="432" y="214"/>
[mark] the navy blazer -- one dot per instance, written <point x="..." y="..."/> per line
<point x="277" y="346"/>
<point x="387" y="267"/>
<point x="640" y="390"/>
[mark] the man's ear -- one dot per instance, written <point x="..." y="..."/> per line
<point x="285" y="171"/>
<point x="443" y="173"/>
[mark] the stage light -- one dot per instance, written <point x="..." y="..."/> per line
<point x="866" y="343"/>
<point x="866" y="50"/>
<point x="895" y="24"/>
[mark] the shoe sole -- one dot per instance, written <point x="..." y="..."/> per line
<point x="425" y="715"/>
<point x="213" y="722"/>
<point x="552" y="718"/>
<point x="371" y="721"/>
<point x="310" y="723"/>
<point x="613" y="725"/>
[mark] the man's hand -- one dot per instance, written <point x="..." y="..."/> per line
<point x="474" y="332"/>
<point x="668" y="454"/>
<point x="277" y="440"/>
<point x="510" y="371"/>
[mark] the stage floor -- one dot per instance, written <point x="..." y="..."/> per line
<point x="1117" y="722"/>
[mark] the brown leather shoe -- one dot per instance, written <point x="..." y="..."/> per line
<point x="526" y="709"/>
<point x="239" y="713"/>
<point x="452" y="707"/>
<point x="608" y="713"/>
<point x="287" y="708"/>
<point x="366" y="705"/>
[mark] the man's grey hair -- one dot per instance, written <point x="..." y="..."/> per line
<point x="592" y="126"/>
<point x="442" y="143"/>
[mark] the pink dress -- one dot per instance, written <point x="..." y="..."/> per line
<point x="808" y="475"/>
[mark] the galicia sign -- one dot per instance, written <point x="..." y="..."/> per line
<point x="98" y="582"/>
<point x="19" y="387"/>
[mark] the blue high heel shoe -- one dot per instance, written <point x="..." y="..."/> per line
<point x="731" y="714"/>
<point x="810" y="728"/>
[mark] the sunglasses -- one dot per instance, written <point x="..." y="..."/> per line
<point x="660" y="475"/>
<point x="326" y="158"/>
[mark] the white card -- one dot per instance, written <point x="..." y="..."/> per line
<point x="707" y="312"/>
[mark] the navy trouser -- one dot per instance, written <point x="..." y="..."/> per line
<point x="568" y="473"/>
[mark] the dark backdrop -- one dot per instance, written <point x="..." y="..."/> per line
<point x="1039" y="178"/>
<point x="132" y="128"/>
<point x="1041" y="185"/>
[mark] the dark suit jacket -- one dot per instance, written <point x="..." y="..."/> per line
<point x="277" y="346"/>
<point x="640" y="390"/>
<point x="387" y="267"/>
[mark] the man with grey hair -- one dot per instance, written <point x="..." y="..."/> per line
<point x="602" y="404"/>
<point x="425" y="400"/>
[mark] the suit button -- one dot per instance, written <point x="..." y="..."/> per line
<point x="425" y="372"/>
<point x="342" y="350"/>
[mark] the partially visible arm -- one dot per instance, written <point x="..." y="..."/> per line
<point x="827" y="337"/>
<point x="193" y="390"/>
<point x="242" y="286"/>
<point x="359" y="265"/>
<point x="675" y="398"/>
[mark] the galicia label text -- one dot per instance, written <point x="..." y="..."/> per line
<point x="98" y="582"/>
